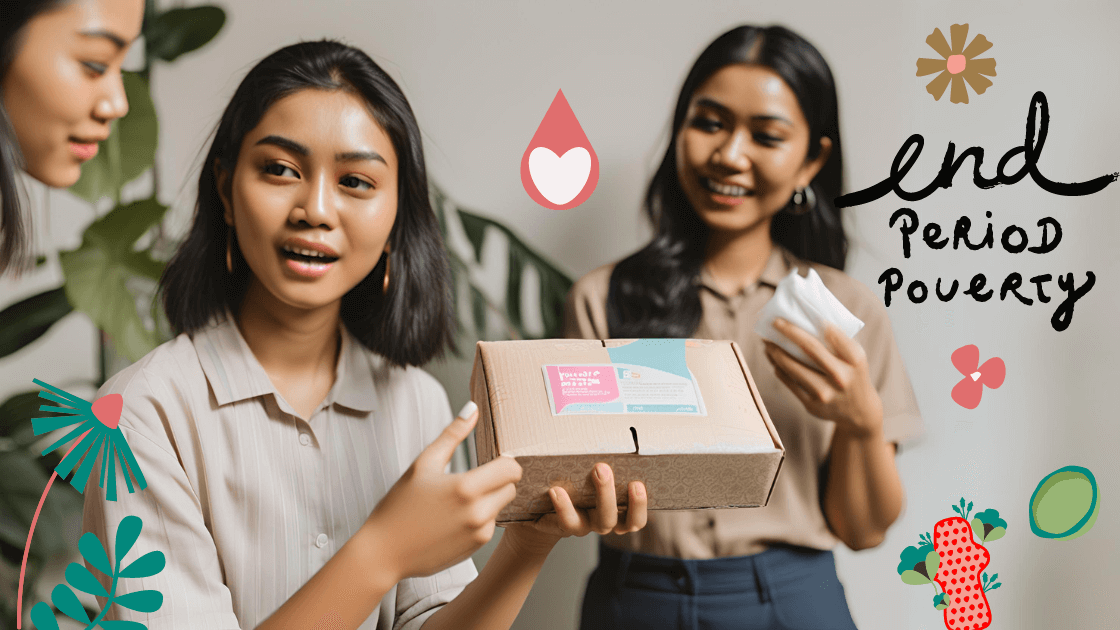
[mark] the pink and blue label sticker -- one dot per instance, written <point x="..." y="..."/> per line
<point x="653" y="379"/>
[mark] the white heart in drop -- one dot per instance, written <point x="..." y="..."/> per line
<point x="559" y="179"/>
<point x="975" y="376"/>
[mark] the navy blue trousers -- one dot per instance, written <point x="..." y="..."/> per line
<point x="782" y="588"/>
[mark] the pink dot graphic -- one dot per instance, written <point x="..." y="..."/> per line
<point x="955" y="64"/>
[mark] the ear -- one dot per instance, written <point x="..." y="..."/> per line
<point x="222" y="181"/>
<point x="811" y="167"/>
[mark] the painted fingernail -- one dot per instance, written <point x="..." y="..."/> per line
<point x="468" y="409"/>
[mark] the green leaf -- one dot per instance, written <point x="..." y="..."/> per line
<point x="94" y="553"/>
<point x="80" y="578"/>
<point x="914" y="578"/>
<point x="127" y="533"/>
<point x="997" y="585"/>
<point x="15" y="418"/>
<point x="119" y="624"/>
<point x="513" y="289"/>
<point x="98" y="274"/>
<point x="130" y="149"/>
<point x="933" y="562"/>
<point x="43" y="617"/>
<point x="478" y="311"/>
<point x="141" y="601"/>
<point x="475" y="228"/>
<point x="180" y="31"/>
<point x="146" y="565"/>
<point x="30" y="318"/>
<point x="67" y="603"/>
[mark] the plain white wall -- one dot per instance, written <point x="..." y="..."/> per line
<point x="480" y="76"/>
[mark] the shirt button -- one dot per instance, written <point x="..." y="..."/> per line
<point x="712" y="523"/>
<point x="305" y="439"/>
<point x="321" y="541"/>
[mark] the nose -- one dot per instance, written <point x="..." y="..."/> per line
<point x="113" y="102"/>
<point x="316" y="208"/>
<point x="733" y="153"/>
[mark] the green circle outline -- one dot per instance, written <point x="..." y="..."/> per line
<point x="1088" y="513"/>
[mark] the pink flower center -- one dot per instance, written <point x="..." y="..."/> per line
<point x="107" y="409"/>
<point x="955" y="64"/>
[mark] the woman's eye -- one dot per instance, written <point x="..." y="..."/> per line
<point x="707" y="124"/>
<point x="97" y="69"/>
<point x="767" y="139"/>
<point x="354" y="182"/>
<point x="279" y="170"/>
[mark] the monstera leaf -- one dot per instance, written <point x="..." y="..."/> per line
<point x="81" y="579"/>
<point x="130" y="149"/>
<point x="100" y="273"/>
<point x="180" y="31"/>
<point x="27" y="320"/>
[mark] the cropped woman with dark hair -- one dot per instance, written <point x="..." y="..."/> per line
<point x="294" y="452"/>
<point x="744" y="196"/>
<point x="60" y="87"/>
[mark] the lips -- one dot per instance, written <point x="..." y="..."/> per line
<point x="83" y="150"/>
<point x="308" y="258"/>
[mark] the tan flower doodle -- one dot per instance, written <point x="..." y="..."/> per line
<point x="957" y="65"/>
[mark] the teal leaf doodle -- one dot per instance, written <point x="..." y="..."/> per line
<point x="988" y="526"/>
<point x="80" y="578"/>
<point x="96" y="431"/>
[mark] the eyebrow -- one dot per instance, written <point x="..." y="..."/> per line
<point x="299" y="149"/>
<point x="117" y="40"/>
<point x="720" y="107"/>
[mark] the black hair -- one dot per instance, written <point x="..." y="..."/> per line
<point x="653" y="292"/>
<point x="410" y="324"/>
<point x="15" y="228"/>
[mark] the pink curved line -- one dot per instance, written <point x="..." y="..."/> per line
<point x="27" y="547"/>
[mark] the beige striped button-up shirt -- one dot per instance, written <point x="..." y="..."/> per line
<point x="246" y="499"/>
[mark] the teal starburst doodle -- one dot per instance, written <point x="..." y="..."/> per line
<point x="97" y="431"/>
<point x="82" y="579"/>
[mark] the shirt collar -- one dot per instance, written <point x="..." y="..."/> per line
<point x="777" y="267"/>
<point x="235" y="374"/>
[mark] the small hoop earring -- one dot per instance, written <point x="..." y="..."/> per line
<point x="229" y="252"/>
<point x="804" y="201"/>
<point x="385" y="284"/>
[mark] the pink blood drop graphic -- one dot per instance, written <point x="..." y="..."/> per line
<point x="107" y="409"/>
<point x="559" y="169"/>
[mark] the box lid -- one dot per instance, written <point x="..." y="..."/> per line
<point x="523" y="422"/>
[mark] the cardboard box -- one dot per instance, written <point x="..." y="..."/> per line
<point x="561" y="405"/>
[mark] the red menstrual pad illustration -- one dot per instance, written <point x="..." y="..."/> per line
<point x="968" y="391"/>
<point x="559" y="169"/>
<point x="962" y="562"/>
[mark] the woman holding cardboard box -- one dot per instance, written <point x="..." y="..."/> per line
<point x="295" y="456"/>
<point x="742" y="197"/>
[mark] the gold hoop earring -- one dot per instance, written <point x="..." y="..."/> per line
<point x="229" y="250"/>
<point x="385" y="284"/>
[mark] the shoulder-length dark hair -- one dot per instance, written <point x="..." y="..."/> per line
<point x="653" y="292"/>
<point x="15" y="228"/>
<point x="411" y="324"/>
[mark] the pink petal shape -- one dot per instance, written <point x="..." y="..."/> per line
<point x="108" y="409"/>
<point x="967" y="393"/>
<point x="966" y="358"/>
<point x="993" y="372"/>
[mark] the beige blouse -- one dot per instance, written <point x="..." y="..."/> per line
<point x="793" y="515"/>
<point x="246" y="499"/>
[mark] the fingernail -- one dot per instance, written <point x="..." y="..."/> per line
<point x="640" y="491"/>
<point x="603" y="472"/>
<point x="778" y="321"/>
<point x="468" y="409"/>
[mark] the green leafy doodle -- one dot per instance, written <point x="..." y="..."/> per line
<point x="962" y="510"/>
<point x="941" y="601"/>
<point x="989" y="526"/>
<point x="918" y="565"/>
<point x="82" y="579"/>
<point x="990" y="584"/>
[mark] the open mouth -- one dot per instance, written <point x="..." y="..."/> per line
<point x="307" y="256"/>
<point x="725" y="190"/>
